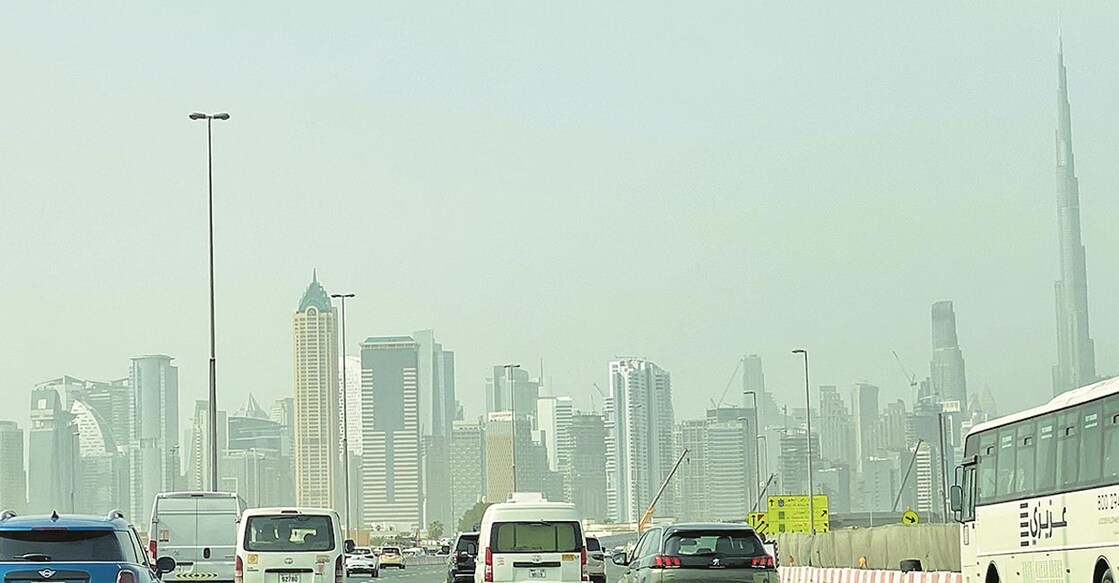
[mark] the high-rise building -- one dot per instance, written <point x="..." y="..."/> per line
<point x="553" y="422"/>
<point x="283" y="412"/>
<point x="113" y="402"/>
<point x="153" y="459"/>
<point x="794" y="460"/>
<point x="877" y="485"/>
<point x="947" y="366"/>
<point x="350" y="374"/>
<point x="717" y="480"/>
<point x="52" y="452"/>
<point x="864" y="408"/>
<point x="197" y="474"/>
<point x="391" y="479"/>
<point x="103" y="468"/>
<point x="639" y="442"/>
<point x="753" y="381"/>
<point x="690" y="482"/>
<point x="468" y="466"/>
<point x="500" y="391"/>
<point x="836" y="429"/>
<point x="317" y="455"/>
<point x="13" y="476"/>
<point x="499" y="456"/>
<point x="587" y="476"/>
<point x="1076" y="352"/>
<point x="436" y="376"/>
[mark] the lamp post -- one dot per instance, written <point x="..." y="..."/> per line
<point x="808" y="440"/>
<point x="345" y="417"/>
<point x="213" y="409"/>
<point x="513" y="426"/>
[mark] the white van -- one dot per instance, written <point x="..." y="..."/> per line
<point x="198" y="530"/>
<point x="290" y="545"/>
<point x="532" y="540"/>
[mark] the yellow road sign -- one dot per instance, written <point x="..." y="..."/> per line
<point x="791" y="514"/>
<point x="757" y="521"/>
<point x="910" y="517"/>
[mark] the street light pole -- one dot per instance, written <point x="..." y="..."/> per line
<point x="513" y="406"/>
<point x="808" y="439"/>
<point x="213" y="409"/>
<point x="345" y="416"/>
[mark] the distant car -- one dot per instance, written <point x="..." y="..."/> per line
<point x="392" y="557"/>
<point x="698" y="553"/>
<point x="76" y="548"/>
<point x="362" y="561"/>
<point x="460" y="567"/>
<point x="596" y="561"/>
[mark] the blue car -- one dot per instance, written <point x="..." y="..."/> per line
<point x="74" y="549"/>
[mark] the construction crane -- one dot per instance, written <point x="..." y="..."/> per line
<point x="912" y="378"/>
<point x="601" y="394"/>
<point x="648" y="515"/>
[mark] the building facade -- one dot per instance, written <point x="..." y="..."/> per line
<point x="317" y="440"/>
<point x="13" y="475"/>
<point x="468" y="466"/>
<point x="587" y="477"/>
<point x="946" y="370"/>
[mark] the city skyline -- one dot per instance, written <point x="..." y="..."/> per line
<point x="924" y="193"/>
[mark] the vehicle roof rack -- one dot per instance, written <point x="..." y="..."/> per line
<point x="115" y="514"/>
<point x="9" y="513"/>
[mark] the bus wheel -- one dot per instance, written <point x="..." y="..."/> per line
<point x="992" y="574"/>
<point x="1103" y="573"/>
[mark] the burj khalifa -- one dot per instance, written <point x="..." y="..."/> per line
<point x="1076" y="353"/>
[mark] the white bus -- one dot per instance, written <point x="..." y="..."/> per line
<point x="1038" y="493"/>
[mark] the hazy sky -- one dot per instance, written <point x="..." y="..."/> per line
<point x="573" y="181"/>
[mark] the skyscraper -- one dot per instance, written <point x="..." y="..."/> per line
<point x="553" y="421"/>
<point x="390" y="427"/>
<point x="864" y="408"/>
<point x="468" y="467"/>
<point x="102" y="466"/>
<point x="13" y="476"/>
<point x="52" y="447"/>
<point x="639" y="440"/>
<point x="154" y="466"/>
<point x="436" y="377"/>
<point x="947" y="366"/>
<point x="317" y="440"/>
<point x="499" y="456"/>
<point x="588" y="476"/>
<point x="837" y="432"/>
<point x="1076" y="353"/>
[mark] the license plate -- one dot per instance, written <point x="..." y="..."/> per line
<point x="536" y="574"/>
<point x="289" y="577"/>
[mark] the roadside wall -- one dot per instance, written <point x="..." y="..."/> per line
<point x="814" y="575"/>
<point x="936" y="545"/>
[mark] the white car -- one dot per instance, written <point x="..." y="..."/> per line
<point x="290" y="545"/>
<point x="531" y="539"/>
<point x="596" y="561"/>
<point x="362" y="561"/>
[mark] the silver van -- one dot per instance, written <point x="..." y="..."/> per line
<point x="198" y="530"/>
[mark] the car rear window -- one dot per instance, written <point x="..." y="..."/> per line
<point x="721" y="543"/>
<point x="536" y="537"/>
<point x="390" y="550"/>
<point x="593" y="544"/>
<point x="289" y="533"/>
<point x="65" y="545"/>
<point x="467" y="544"/>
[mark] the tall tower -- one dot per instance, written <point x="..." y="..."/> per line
<point x="154" y="455"/>
<point x="317" y="440"/>
<point x="947" y="365"/>
<point x="1076" y="353"/>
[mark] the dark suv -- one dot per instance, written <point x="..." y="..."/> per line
<point x="460" y="566"/>
<point x="698" y="553"/>
<point x="74" y="549"/>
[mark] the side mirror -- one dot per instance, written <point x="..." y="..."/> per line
<point x="619" y="559"/>
<point x="349" y="546"/>
<point x="164" y="564"/>
<point x="956" y="498"/>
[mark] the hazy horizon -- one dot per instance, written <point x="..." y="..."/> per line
<point x="568" y="182"/>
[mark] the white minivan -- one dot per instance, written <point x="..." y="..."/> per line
<point x="290" y="545"/>
<point x="198" y="530"/>
<point x="529" y="539"/>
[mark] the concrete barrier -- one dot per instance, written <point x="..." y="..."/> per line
<point x="425" y="560"/>
<point x="937" y="546"/>
<point x="819" y="575"/>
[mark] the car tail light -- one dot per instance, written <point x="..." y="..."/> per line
<point x="339" y="571"/>
<point x="487" y="574"/>
<point x="238" y="570"/>
<point x="125" y="576"/>
<point x="153" y="549"/>
<point x="583" y="564"/>
<point x="762" y="561"/>
<point x="665" y="562"/>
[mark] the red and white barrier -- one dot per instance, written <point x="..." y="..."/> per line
<point x="818" y="575"/>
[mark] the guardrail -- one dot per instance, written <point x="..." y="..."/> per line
<point x="822" y="575"/>
<point x="425" y="560"/>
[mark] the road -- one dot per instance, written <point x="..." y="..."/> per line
<point x="438" y="574"/>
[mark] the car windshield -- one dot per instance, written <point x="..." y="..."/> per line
<point x="742" y="543"/>
<point x="63" y="545"/>
<point x="289" y="533"/>
<point x="536" y="537"/>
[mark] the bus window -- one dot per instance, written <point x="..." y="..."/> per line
<point x="1025" y="445"/>
<point x="1046" y="454"/>
<point x="986" y="481"/>
<point x="1068" y="441"/>
<point x="1090" y="444"/>
<point x="1111" y="440"/>
<point x="1004" y="482"/>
